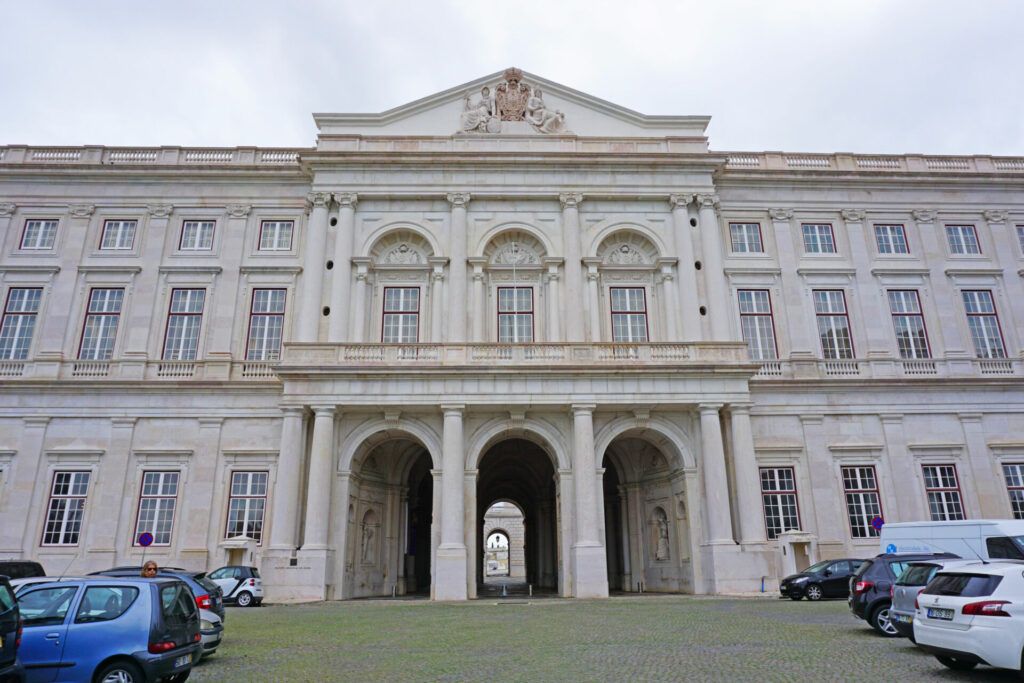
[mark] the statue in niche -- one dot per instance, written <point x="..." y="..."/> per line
<point x="661" y="551"/>
<point x="368" y="534"/>
<point x="479" y="117"/>
<point x="542" y="119"/>
<point x="511" y="96"/>
<point x="624" y="255"/>
<point x="402" y="255"/>
<point x="513" y="254"/>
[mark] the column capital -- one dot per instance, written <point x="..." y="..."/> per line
<point x="706" y="408"/>
<point x="852" y="215"/>
<point x="7" y="209"/>
<point x="346" y="200"/>
<point x="238" y="210"/>
<point x="995" y="216"/>
<point x="781" y="214"/>
<point x="324" y="410"/>
<point x="570" y="200"/>
<point x="453" y="409"/>
<point x="293" y="411"/>
<point x="318" y="200"/>
<point x="160" y="210"/>
<point x="681" y="201"/>
<point x="742" y="407"/>
<point x="81" y="210"/>
<point x="583" y="408"/>
<point x="924" y="215"/>
<point x="458" y="200"/>
<point x="707" y="201"/>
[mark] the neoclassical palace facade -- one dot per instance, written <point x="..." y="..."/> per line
<point x="690" y="370"/>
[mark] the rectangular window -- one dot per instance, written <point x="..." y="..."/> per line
<point x="66" y="507"/>
<point x="101" y="319"/>
<point x="119" y="235"/>
<point x="515" y="315"/>
<point x="156" y="506"/>
<point x="629" y="314"/>
<point x="1020" y="237"/>
<point x="266" y="324"/>
<point x="943" y="491"/>
<point x="833" y="324"/>
<point x="757" y="324"/>
<point x="984" y="324"/>
<point x="746" y="238"/>
<point x="863" y="503"/>
<point x="246" y="505"/>
<point x="196" y="236"/>
<point x="19" y="322"/>
<point x="276" y="235"/>
<point x="891" y="239"/>
<point x="963" y="239"/>
<point x="818" y="238"/>
<point x="401" y="323"/>
<point x="1014" y="475"/>
<point x="181" y="342"/>
<point x="39" y="234"/>
<point x="778" y="493"/>
<point x="911" y="336"/>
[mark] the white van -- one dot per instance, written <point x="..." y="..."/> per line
<point x="985" y="539"/>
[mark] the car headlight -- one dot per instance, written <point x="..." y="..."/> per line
<point x="801" y="579"/>
<point x="205" y="625"/>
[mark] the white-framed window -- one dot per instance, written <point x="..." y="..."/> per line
<point x="401" y="320"/>
<point x="908" y="321"/>
<point x="66" y="508"/>
<point x="247" y="504"/>
<point x="102" y="316"/>
<point x="984" y="323"/>
<point x="818" y="238"/>
<point x="962" y="239"/>
<point x="778" y="495"/>
<point x="197" y="235"/>
<point x="891" y="239"/>
<point x="266" y="324"/>
<point x="757" y="323"/>
<point x="184" y="319"/>
<point x="1013" y="473"/>
<point x="515" y="315"/>
<point x="118" y="235"/>
<point x="39" y="233"/>
<point x="863" y="503"/>
<point x="629" y="314"/>
<point x="276" y="235"/>
<point x="833" y="324"/>
<point x="943" y="491"/>
<point x="157" y="501"/>
<point x="746" y="238"/>
<point x="21" y="309"/>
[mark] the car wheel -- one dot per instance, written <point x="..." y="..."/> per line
<point x="880" y="622"/>
<point x="813" y="593"/>
<point x="956" y="664"/>
<point x="244" y="599"/>
<point x="119" y="672"/>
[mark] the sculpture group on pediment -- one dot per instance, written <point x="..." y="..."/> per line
<point x="542" y="119"/>
<point x="624" y="255"/>
<point x="402" y="255"/>
<point x="512" y="100"/>
<point x="515" y="254"/>
<point x="479" y="116"/>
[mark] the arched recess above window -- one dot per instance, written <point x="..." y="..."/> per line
<point x="401" y="248"/>
<point x="627" y="248"/>
<point x="514" y="248"/>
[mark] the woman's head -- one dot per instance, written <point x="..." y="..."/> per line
<point x="149" y="569"/>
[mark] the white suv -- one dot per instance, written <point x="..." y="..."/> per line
<point x="973" y="614"/>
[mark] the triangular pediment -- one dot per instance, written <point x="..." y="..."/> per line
<point x="516" y="103"/>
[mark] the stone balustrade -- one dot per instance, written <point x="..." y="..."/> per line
<point x="860" y="368"/>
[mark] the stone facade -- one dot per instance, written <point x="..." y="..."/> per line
<point x="195" y="346"/>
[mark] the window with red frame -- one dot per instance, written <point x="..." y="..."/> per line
<point x="515" y="315"/>
<point x="908" y="321"/>
<point x="863" y="503"/>
<point x="157" y="501"/>
<point x="833" y="324"/>
<point x="778" y="495"/>
<point x="102" y="315"/>
<point x="943" y="491"/>
<point x="401" y="324"/>
<point x="19" y="322"/>
<point x="247" y="504"/>
<point x="629" y="314"/>
<point x="1013" y="473"/>
<point x="983" y="322"/>
<point x="757" y="323"/>
<point x="266" y="324"/>
<point x="66" y="508"/>
<point x="184" y="320"/>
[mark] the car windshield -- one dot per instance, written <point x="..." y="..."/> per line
<point x="917" y="575"/>
<point x="815" y="568"/>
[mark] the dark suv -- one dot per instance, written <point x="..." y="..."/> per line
<point x="207" y="594"/>
<point x="871" y="587"/>
<point x="10" y="634"/>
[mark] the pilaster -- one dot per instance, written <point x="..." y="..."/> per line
<point x="341" y="284"/>
<point x="573" y="294"/>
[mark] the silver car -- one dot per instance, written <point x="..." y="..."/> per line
<point x="904" y="592"/>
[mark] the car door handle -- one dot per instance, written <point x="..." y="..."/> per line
<point x="52" y="636"/>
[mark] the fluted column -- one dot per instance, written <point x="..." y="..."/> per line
<point x="450" y="579"/>
<point x="554" y="303"/>
<point x="671" y="299"/>
<point x="341" y="289"/>
<point x="287" y="486"/>
<point x="716" y="483"/>
<point x="359" y="304"/>
<point x="689" y="305"/>
<point x="313" y="265"/>
<point x="479" y="315"/>
<point x="436" y="304"/>
<point x="590" y="566"/>
<point x="573" y="268"/>
<point x="748" y="493"/>
<point x="594" y="300"/>
<point x="457" y="247"/>
<point x="714" y="276"/>
<point x="318" y="494"/>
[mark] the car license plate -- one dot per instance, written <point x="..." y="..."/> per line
<point x="939" y="613"/>
<point x="182" y="661"/>
<point x="904" y="619"/>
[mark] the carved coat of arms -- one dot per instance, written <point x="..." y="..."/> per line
<point x="512" y="96"/>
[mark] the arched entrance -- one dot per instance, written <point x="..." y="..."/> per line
<point x="504" y="533"/>
<point x="647" y="525"/>
<point x="519" y="472"/>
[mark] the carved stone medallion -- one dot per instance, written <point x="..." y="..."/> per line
<point x="402" y="255"/>
<point x="624" y="254"/>
<point x="513" y="254"/>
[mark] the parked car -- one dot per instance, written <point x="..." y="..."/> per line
<point x="10" y="634"/>
<point x="109" y="629"/>
<point x="211" y="631"/>
<point x="826" y="579"/>
<point x="207" y="594"/>
<point x="976" y="539"/>
<point x="19" y="569"/>
<point x="904" y="592"/>
<point x="871" y="586"/>
<point x="240" y="585"/>
<point x="973" y="614"/>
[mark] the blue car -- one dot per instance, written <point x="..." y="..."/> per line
<point x="109" y="630"/>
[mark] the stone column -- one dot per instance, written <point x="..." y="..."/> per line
<point x="573" y="269"/>
<point x="359" y="304"/>
<point x="800" y="332"/>
<point x="143" y="302"/>
<point x="56" y="325"/>
<point x="342" y="568"/>
<point x="689" y="304"/>
<point x="202" y="478"/>
<point x="716" y="483"/>
<point x="955" y="340"/>
<point x="470" y="527"/>
<point x="670" y="293"/>
<point x="437" y="304"/>
<point x="565" y="532"/>
<point x="987" y="476"/>
<point x="224" y="306"/>
<point x="828" y="505"/>
<point x="25" y="500"/>
<point x="594" y="300"/>
<point x="109" y="527"/>
<point x="479" y="313"/>
<point x="341" y="289"/>
<point x="450" y="576"/>
<point x="899" y="466"/>
<point x="287" y="485"/>
<point x="457" y="246"/>
<point x="590" y="568"/>
<point x="435" y="528"/>
<point x="748" y="481"/>
<point x="872" y="307"/>
<point x="313" y="266"/>
<point x="714" y="276"/>
<point x="552" y="300"/>
<point x="318" y="495"/>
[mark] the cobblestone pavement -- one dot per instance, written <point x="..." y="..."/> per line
<point x="652" y="638"/>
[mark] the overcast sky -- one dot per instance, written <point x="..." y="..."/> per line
<point x="866" y="76"/>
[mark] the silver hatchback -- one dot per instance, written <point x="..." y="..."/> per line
<point x="904" y="592"/>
